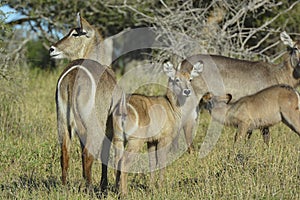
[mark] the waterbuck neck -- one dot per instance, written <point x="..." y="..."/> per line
<point x="176" y="102"/>
<point x="219" y="113"/>
<point x="286" y="73"/>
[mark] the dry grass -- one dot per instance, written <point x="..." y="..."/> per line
<point x="30" y="169"/>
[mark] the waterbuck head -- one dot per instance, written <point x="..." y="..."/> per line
<point x="80" y="42"/>
<point x="210" y="101"/>
<point x="180" y="81"/>
<point x="293" y="48"/>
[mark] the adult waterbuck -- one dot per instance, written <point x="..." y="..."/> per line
<point x="240" y="77"/>
<point x="154" y="120"/>
<point x="84" y="99"/>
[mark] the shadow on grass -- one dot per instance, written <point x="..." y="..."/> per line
<point x="30" y="183"/>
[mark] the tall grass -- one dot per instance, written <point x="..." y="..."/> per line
<point x="30" y="168"/>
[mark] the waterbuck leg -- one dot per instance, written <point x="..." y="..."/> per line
<point x="105" y="153"/>
<point x="104" y="160"/>
<point x="291" y="118"/>
<point x="152" y="161"/>
<point x="175" y="145"/>
<point x="238" y="146"/>
<point x="249" y="134"/>
<point x="162" y="149"/>
<point x="133" y="147"/>
<point x="266" y="135"/>
<point x="248" y="143"/>
<point x="189" y="129"/>
<point x="241" y="132"/>
<point x="119" y="150"/>
<point x="87" y="162"/>
<point x="64" y="159"/>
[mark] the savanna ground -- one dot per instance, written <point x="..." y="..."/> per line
<point x="30" y="154"/>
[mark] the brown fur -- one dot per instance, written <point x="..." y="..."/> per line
<point x="137" y="127"/>
<point x="241" y="77"/>
<point x="70" y="100"/>
<point x="74" y="97"/>
<point x="279" y="103"/>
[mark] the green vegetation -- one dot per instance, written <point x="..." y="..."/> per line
<point x="37" y="55"/>
<point x="30" y="153"/>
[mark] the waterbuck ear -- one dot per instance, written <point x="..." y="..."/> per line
<point x="207" y="97"/>
<point x="78" y="19"/>
<point x="229" y="97"/>
<point x="84" y="26"/>
<point x="286" y="39"/>
<point x="206" y="102"/>
<point x="169" y="70"/>
<point x="197" y="69"/>
<point x="294" y="58"/>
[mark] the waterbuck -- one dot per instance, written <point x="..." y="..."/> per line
<point x="84" y="99"/>
<point x="154" y="120"/>
<point x="223" y="75"/>
<point x="278" y="103"/>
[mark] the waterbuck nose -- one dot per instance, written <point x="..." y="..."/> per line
<point x="52" y="48"/>
<point x="187" y="92"/>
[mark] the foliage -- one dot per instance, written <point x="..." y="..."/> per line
<point x="55" y="15"/>
<point x="5" y="30"/>
<point x="244" y="29"/>
<point x="37" y="55"/>
<point x="12" y="84"/>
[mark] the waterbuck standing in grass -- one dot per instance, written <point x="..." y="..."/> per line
<point x="278" y="103"/>
<point x="223" y="75"/>
<point x="154" y="120"/>
<point x="84" y="99"/>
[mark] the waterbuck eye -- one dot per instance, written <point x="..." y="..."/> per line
<point x="78" y="32"/>
<point x="191" y="79"/>
<point x="75" y="34"/>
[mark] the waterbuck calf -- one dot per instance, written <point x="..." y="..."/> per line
<point x="279" y="103"/>
<point x="223" y="75"/>
<point x="154" y="120"/>
<point x="84" y="99"/>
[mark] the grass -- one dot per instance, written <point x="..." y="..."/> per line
<point x="30" y="153"/>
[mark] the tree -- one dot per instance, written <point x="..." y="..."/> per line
<point x="37" y="55"/>
<point x="242" y="28"/>
<point x="11" y="80"/>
